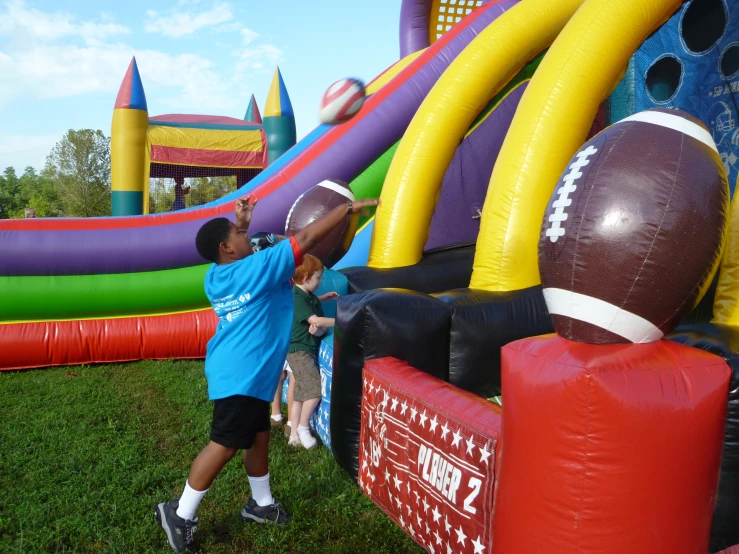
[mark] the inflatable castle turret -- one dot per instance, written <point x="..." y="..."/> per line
<point x="127" y="145"/>
<point x="279" y="119"/>
<point x="252" y="112"/>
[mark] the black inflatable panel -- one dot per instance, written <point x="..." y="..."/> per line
<point x="436" y="272"/>
<point x="722" y="340"/>
<point x="482" y="323"/>
<point x="407" y="325"/>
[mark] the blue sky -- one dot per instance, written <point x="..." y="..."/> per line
<point x="62" y="62"/>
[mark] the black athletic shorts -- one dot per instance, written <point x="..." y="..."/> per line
<point x="237" y="420"/>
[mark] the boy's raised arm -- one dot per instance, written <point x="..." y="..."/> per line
<point x="312" y="234"/>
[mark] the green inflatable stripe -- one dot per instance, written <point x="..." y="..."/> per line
<point x="107" y="295"/>
<point x="369" y="183"/>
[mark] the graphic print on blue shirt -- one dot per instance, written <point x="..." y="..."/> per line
<point x="253" y="301"/>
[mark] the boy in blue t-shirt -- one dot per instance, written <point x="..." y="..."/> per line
<point x="251" y="295"/>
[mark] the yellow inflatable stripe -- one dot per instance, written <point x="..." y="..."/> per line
<point x="390" y="74"/>
<point x="413" y="183"/>
<point x="551" y="122"/>
<point x="106" y="317"/>
<point x="127" y="143"/>
<point x="205" y="139"/>
<point x="726" y="302"/>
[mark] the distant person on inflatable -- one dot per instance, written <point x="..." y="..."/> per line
<point x="179" y="193"/>
<point x="30" y="213"/>
<point x="252" y="298"/>
<point x="302" y="356"/>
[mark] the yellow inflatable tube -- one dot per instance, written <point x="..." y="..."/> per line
<point x="726" y="302"/>
<point x="389" y="75"/>
<point x="413" y="183"/>
<point x="551" y="123"/>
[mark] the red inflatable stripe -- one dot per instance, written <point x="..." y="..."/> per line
<point x="53" y="343"/>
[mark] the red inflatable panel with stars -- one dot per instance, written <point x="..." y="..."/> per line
<point x="427" y="456"/>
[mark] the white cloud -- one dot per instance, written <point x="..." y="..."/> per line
<point x="21" y="151"/>
<point x="25" y="24"/>
<point x="248" y="35"/>
<point x="178" y="24"/>
<point x="257" y="57"/>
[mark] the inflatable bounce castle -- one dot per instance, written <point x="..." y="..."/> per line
<point x="180" y="145"/>
<point x="555" y="178"/>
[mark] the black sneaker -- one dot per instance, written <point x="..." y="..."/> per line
<point x="274" y="513"/>
<point x="179" y="531"/>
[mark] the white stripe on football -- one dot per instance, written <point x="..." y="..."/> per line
<point x="341" y="101"/>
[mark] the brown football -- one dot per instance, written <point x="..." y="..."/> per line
<point x="634" y="229"/>
<point x="314" y="204"/>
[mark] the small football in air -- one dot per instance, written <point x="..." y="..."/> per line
<point x="341" y="101"/>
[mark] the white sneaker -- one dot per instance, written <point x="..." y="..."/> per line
<point x="306" y="438"/>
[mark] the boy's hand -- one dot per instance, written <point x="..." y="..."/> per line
<point x="360" y="206"/>
<point x="328" y="296"/>
<point x="244" y="209"/>
<point x="316" y="331"/>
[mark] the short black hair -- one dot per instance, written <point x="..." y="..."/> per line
<point x="210" y="236"/>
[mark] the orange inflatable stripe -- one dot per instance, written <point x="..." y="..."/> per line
<point x="53" y="343"/>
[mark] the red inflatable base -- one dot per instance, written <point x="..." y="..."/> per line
<point x="608" y="448"/>
<point x="52" y="343"/>
<point x="427" y="456"/>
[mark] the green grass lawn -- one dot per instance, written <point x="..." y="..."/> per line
<point x="87" y="452"/>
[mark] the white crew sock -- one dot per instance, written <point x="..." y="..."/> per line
<point x="277" y="417"/>
<point x="189" y="502"/>
<point x="260" y="490"/>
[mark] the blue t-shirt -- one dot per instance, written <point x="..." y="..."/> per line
<point x="254" y="302"/>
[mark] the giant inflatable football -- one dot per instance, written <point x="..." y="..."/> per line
<point x="634" y="229"/>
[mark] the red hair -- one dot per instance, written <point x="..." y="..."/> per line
<point x="310" y="265"/>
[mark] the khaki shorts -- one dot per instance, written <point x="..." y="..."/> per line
<point x="306" y="374"/>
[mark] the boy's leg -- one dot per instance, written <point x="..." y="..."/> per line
<point x="276" y="419"/>
<point x="262" y="506"/>
<point x="290" y="397"/>
<point x="296" y="408"/>
<point x="309" y="407"/>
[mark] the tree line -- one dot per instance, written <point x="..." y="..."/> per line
<point x="75" y="182"/>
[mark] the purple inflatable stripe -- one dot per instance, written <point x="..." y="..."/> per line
<point x="414" y="26"/>
<point x="172" y="246"/>
<point x="456" y="218"/>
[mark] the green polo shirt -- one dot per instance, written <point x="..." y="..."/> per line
<point x="306" y="305"/>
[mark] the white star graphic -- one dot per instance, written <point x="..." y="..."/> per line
<point x="444" y="431"/>
<point x="370" y="420"/>
<point x="364" y="464"/>
<point x="433" y="423"/>
<point x="484" y="454"/>
<point x="418" y="518"/>
<point x="470" y="445"/>
<point x="446" y="525"/>
<point x="425" y="505"/>
<point x="409" y="509"/>
<point x="449" y="549"/>
<point x="428" y="529"/>
<point x="436" y="513"/>
<point x="438" y="538"/>
<point x="413" y="413"/>
<point x="399" y="503"/>
<point x="478" y="546"/>
<point x="412" y="531"/>
<point x="460" y="535"/>
<point x="372" y="476"/>
<point x="397" y="482"/>
<point x="371" y="387"/>
<point x="416" y="493"/>
<point x="409" y="487"/>
<point x="423" y="417"/>
<point x="395" y="404"/>
<point x="457" y="438"/>
<point x="390" y="495"/>
<point x="431" y="549"/>
<point x="403" y="408"/>
<point x="387" y="475"/>
<point x="402" y="521"/>
<point x="369" y="490"/>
